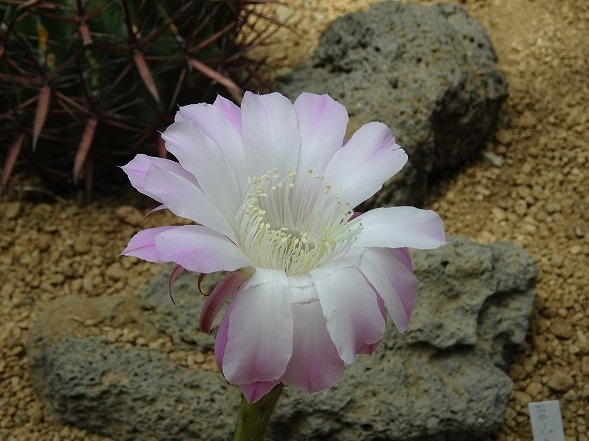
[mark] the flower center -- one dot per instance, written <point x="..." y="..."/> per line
<point x="293" y="223"/>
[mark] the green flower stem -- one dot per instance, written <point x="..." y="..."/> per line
<point x="253" y="418"/>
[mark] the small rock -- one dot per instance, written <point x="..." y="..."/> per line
<point x="493" y="159"/>
<point x="517" y="372"/>
<point x="556" y="261"/>
<point x="504" y="136"/>
<point x="82" y="244"/>
<point x="521" y="207"/>
<point x="560" y="381"/>
<point x="12" y="210"/>
<point x="35" y="414"/>
<point x="562" y="329"/>
<point x="130" y="215"/>
<point x="570" y="396"/>
<point x="44" y="242"/>
<point x="116" y="272"/>
<point x="579" y="232"/>
<point x="585" y="365"/>
<point x="575" y="249"/>
<point x="526" y="120"/>
<point x="534" y="390"/>
<point x="522" y="398"/>
<point x="498" y="214"/>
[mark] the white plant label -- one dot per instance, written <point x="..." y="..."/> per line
<point x="546" y="421"/>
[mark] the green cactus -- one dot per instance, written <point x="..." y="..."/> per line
<point x="86" y="84"/>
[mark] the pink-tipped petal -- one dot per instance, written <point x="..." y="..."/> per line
<point x="185" y="199"/>
<point x="270" y="133"/>
<point x="142" y="245"/>
<point x="200" y="249"/>
<point x="259" y="343"/>
<point x="254" y="391"/>
<point x="220" y="131"/>
<point x="350" y="307"/>
<point x="403" y="255"/>
<point x="368" y="349"/>
<point x="322" y="125"/>
<point x="174" y="274"/>
<point x="138" y="167"/>
<point x="393" y="281"/>
<point x="231" y="111"/>
<point x="218" y="126"/>
<point x="360" y="168"/>
<point x="400" y="227"/>
<point x="221" y="338"/>
<point x="200" y="155"/>
<point x="315" y="364"/>
<point x="218" y="296"/>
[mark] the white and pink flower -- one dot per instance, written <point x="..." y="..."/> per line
<point x="271" y="187"/>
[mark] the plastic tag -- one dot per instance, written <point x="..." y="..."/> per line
<point x="546" y="421"/>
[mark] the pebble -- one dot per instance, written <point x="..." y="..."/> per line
<point x="504" y="136"/>
<point x="522" y="398"/>
<point x="534" y="389"/>
<point x="82" y="244"/>
<point x="11" y="210"/>
<point x="562" y="329"/>
<point x="585" y="365"/>
<point x="116" y="272"/>
<point x="130" y="215"/>
<point x="527" y="119"/>
<point x="35" y="413"/>
<point x="493" y="159"/>
<point x="560" y="381"/>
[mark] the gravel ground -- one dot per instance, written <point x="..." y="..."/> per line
<point x="529" y="187"/>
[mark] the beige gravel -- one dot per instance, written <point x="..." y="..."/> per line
<point x="537" y="198"/>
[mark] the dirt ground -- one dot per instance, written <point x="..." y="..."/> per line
<point x="536" y="195"/>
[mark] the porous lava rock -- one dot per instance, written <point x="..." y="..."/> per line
<point x="428" y="72"/>
<point x="443" y="379"/>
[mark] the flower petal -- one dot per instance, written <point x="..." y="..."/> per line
<point x="221" y="131"/>
<point x="315" y="364"/>
<point x="201" y="156"/>
<point x="393" y="281"/>
<point x="399" y="227"/>
<point x="360" y="168"/>
<point x="200" y="249"/>
<point x="350" y="306"/>
<point x="231" y="111"/>
<point x="138" y="167"/>
<point x="260" y="333"/>
<point x="218" y="296"/>
<point x="322" y="125"/>
<point x="270" y="133"/>
<point x="185" y="199"/>
<point x="368" y="349"/>
<point x="254" y="391"/>
<point x="221" y="338"/>
<point x="142" y="245"/>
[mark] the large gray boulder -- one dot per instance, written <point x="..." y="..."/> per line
<point x="428" y="72"/>
<point x="443" y="379"/>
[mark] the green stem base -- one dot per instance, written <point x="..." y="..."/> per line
<point x="253" y="418"/>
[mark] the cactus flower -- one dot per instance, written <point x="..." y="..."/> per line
<point x="271" y="188"/>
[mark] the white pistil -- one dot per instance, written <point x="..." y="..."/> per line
<point x="295" y="229"/>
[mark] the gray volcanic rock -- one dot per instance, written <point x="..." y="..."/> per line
<point x="428" y="72"/>
<point x="441" y="380"/>
<point x="134" y="394"/>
